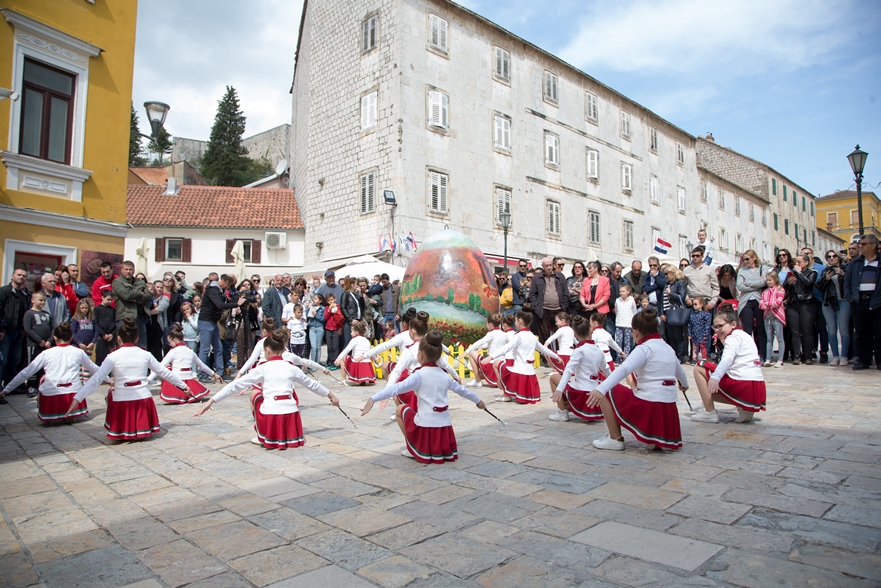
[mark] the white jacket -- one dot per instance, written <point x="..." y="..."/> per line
<point x="565" y="337"/>
<point x="258" y="356"/>
<point x="523" y="344"/>
<point x="180" y="359"/>
<point x="277" y="378"/>
<point x="740" y="359"/>
<point x="494" y="341"/>
<point x="605" y="341"/>
<point x="358" y="346"/>
<point x="408" y="361"/>
<point x="401" y="341"/>
<point x="62" y="366"/>
<point x="129" y="365"/>
<point x="656" y="368"/>
<point x="430" y="383"/>
<point x="585" y="364"/>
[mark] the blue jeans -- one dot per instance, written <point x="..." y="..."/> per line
<point x="774" y="329"/>
<point x="10" y="354"/>
<point x="316" y="338"/>
<point x="388" y="317"/>
<point x="838" y="323"/>
<point x="513" y="310"/>
<point x="209" y="337"/>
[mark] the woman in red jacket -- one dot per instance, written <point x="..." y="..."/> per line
<point x="595" y="291"/>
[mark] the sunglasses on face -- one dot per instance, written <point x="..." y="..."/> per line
<point x="831" y="256"/>
<point x="654" y="265"/>
<point x="696" y="255"/>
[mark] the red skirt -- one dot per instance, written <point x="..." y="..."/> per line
<point x="560" y="364"/>
<point x="488" y="374"/>
<point x="746" y="394"/>
<point x="522" y="388"/>
<point x="360" y="372"/>
<point x="53" y="408"/>
<point x="428" y="444"/>
<point x="129" y="420"/>
<point x="277" y="431"/>
<point x="578" y="405"/>
<point x="654" y="423"/>
<point x="171" y="394"/>
<point x="602" y="376"/>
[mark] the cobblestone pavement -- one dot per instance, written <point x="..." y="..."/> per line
<point x="792" y="499"/>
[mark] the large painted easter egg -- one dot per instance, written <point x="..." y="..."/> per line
<point x="450" y="279"/>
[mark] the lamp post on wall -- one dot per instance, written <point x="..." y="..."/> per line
<point x="505" y="218"/>
<point x="857" y="161"/>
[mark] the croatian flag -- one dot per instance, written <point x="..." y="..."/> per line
<point x="412" y="240"/>
<point x="392" y="245"/>
<point x="662" y="246"/>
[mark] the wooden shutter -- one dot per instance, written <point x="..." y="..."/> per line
<point x="160" y="249"/>
<point x="186" y="250"/>
<point x="368" y="111"/>
<point x="229" y="246"/>
<point x="256" y="253"/>
<point x="592" y="163"/>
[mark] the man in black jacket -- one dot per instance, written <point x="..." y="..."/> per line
<point x="213" y="305"/>
<point x="15" y="300"/>
<point x="548" y="294"/>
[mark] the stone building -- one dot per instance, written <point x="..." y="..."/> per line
<point x="271" y="144"/>
<point x="838" y="213"/>
<point x="461" y="119"/>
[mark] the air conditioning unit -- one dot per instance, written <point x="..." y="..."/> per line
<point x="276" y="240"/>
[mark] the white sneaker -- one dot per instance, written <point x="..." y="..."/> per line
<point x="702" y="416"/>
<point x="503" y="398"/>
<point x="560" y="415"/>
<point x="606" y="442"/>
<point x="406" y="453"/>
<point x="472" y="383"/>
<point x="834" y="361"/>
<point x="256" y="441"/>
<point x="394" y="417"/>
<point x="778" y="364"/>
<point x="842" y="360"/>
<point x="743" y="416"/>
<point x="767" y="364"/>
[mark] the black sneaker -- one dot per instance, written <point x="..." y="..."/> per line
<point x="3" y="400"/>
<point x="32" y="393"/>
<point x="824" y="358"/>
<point x="860" y="366"/>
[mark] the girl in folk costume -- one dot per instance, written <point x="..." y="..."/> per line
<point x="490" y="370"/>
<point x="427" y="428"/>
<point x="737" y="379"/>
<point x="359" y="371"/>
<point x="131" y="413"/>
<point x="603" y="339"/>
<point x="494" y="341"/>
<point x="259" y="355"/>
<point x="180" y="360"/>
<point x="61" y="365"/>
<point x="518" y="382"/>
<point x="585" y="364"/>
<point x="649" y="409"/>
<point x="565" y="339"/>
<point x="401" y="340"/>
<point x="274" y="401"/>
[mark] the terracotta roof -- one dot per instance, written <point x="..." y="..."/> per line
<point x="213" y="207"/>
<point x="156" y="176"/>
<point x="848" y="194"/>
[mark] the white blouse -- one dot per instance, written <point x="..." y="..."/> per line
<point x="584" y="365"/>
<point x="62" y="366"/>
<point x="430" y="383"/>
<point x="180" y="359"/>
<point x="657" y="369"/>
<point x="740" y="359"/>
<point x="566" y="337"/>
<point x="277" y="378"/>
<point x="129" y="365"/>
<point x="523" y="344"/>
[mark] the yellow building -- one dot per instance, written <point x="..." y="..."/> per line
<point x="838" y="214"/>
<point x="64" y="133"/>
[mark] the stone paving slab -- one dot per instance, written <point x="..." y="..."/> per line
<point x="789" y="499"/>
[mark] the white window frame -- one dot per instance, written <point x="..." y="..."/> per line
<point x="704" y="190"/>
<point x="501" y="64"/>
<point x="438" y="110"/>
<point x="180" y="248"/>
<point x="653" y="139"/>
<point x="680" y="153"/>
<point x="832" y="215"/>
<point x="736" y="205"/>
<point x="723" y="239"/>
<point x="369" y="34"/>
<point x="683" y="247"/>
<point x="594" y="234"/>
<point x="438" y="192"/>
<point x="369" y="110"/>
<point x="764" y="217"/>
<point x="681" y="198"/>
<point x="591" y="107"/>
<point x="552" y="216"/>
<point x="502" y="132"/>
<point x="367" y="193"/>
<point x="552" y="149"/>
<point x="626" y="177"/>
<point x="36" y="41"/>
<point x="654" y="190"/>
<point x="625" y="127"/>
<point x="627" y="236"/>
<point x="593" y="164"/>
<point x="738" y="244"/>
<point x="550" y="87"/>
<point x="752" y="212"/>
<point x="438" y="33"/>
<point x="656" y="234"/>
<point x="721" y="199"/>
<point x="503" y="203"/>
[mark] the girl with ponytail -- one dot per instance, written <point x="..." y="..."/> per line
<point x="182" y="360"/>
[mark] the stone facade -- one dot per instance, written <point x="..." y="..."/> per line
<point x="271" y="144"/>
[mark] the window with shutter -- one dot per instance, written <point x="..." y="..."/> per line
<point x="812" y="209"/>
<point x="776" y="222"/>
<point x="625" y="124"/>
<point x="552" y="149"/>
<point x="438" y="192"/>
<point x="786" y="226"/>
<point x="832" y="220"/>
<point x="368" y="111"/>
<point x="367" y="200"/>
<point x="594" y="225"/>
<point x="186" y="250"/>
<point x="502" y="139"/>
<point x="553" y="217"/>
<point x="502" y="64"/>
<point x="680" y="198"/>
<point x="503" y="203"/>
<point x="655" y="189"/>
<point x="764" y="218"/>
<point x="256" y="251"/>
<point x="591" y="111"/>
<point x="628" y="235"/>
<point x="550" y="87"/>
<point x="229" y="246"/>
<point x="653" y="140"/>
<point x="784" y="193"/>
<point x="774" y="186"/>
<point x="683" y="247"/>
<point x="656" y="234"/>
<point x="159" y="246"/>
<point x="752" y="213"/>
<point x="173" y="249"/>
<point x="704" y="191"/>
<point x="593" y="164"/>
<point x="721" y="199"/>
<point x="369" y="36"/>
<point x="737" y="206"/>
<point x="680" y="154"/>
<point x="626" y="177"/>
<point x="437" y="109"/>
<point x="437" y="33"/>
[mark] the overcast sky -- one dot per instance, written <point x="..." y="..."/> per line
<point x="792" y="83"/>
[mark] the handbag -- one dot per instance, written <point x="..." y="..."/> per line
<point x="678" y="316"/>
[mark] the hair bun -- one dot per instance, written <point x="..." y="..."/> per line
<point x="422" y="316"/>
<point x="435" y="338"/>
<point x="129" y="323"/>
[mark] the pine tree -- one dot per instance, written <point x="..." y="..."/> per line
<point x="162" y="145"/>
<point x="135" y="153"/>
<point x="225" y="162"/>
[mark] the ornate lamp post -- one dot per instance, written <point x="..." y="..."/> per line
<point x="857" y="161"/>
<point x="505" y="218"/>
<point x="156" y="113"/>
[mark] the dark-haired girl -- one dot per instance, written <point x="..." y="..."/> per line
<point x="274" y="402"/>
<point x="131" y="413"/>
<point x="427" y="428"/>
<point x="518" y="381"/>
<point x="180" y="359"/>
<point x="571" y="389"/>
<point x="61" y="382"/>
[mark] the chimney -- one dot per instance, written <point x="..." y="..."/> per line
<point x="710" y="138"/>
<point x="171" y="188"/>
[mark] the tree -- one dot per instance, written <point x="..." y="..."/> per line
<point x="135" y="152"/>
<point x="162" y="145"/>
<point x="225" y="162"/>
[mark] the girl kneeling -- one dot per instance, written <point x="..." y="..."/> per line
<point x="586" y="363"/>
<point x="180" y="359"/>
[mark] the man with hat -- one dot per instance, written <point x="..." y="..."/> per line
<point x="330" y="287"/>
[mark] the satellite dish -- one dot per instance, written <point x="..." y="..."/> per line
<point x="282" y="167"/>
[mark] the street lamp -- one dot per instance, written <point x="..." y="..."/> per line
<point x="156" y="113"/>
<point x="505" y="218"/>
<point x="857" y="161"/>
